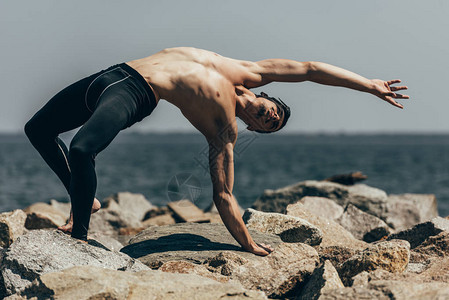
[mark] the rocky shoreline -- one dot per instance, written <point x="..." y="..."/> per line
<point x="331" y="241"/>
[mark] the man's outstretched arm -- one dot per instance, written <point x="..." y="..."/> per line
<point x="285" y="70"/>
<point x="222" y="174"/>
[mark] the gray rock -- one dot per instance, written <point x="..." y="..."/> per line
<point x="100" y="283"/>
<point x="392" y="256"/>
<point x="323" y="278"/>
<point x="63" y="207"/>
<point x="42" y="215"/>
<point x="366" y="198"/>
<point x="407" y="210"/>
<point x="192" y="242"/>
<point x="353" y="293"/>
<point x="129" y="205"/>
<point x="290" y="229"/>
<point x="419" y="233"/>
<point x="363" y="225"/>
<point x="333" y="234"/>
<point x="403" y="290"/>
<point x="109" y="222"/>
<point x="281" y="273"/>
<point x="322" y="207"/>
<point x="43" y="251"/>
<point x="107" y="241"/>
<point x="12" y="225"/>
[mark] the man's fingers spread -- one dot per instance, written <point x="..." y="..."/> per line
<point x="399" y="96"/>
<point x="398" y="88"/>
<point x="392" y="102"/>
<point x="393" y="81"/>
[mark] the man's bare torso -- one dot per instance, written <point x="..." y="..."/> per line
<point x="202" y="84"/>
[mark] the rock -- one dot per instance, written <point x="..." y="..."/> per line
<point x="107" y="241"/>
<point x="333" y="233"/>
<point x="42" y="215"/>
<point x="406" y="210"/>
<point x="323" y="278"/>
<point x="337" y="255"/>
<point x="159" y="220"/>
<point x="347" y="179"/>
<point x="354" y="293"/>
<point x="392" y="256"/>
<point x="363" y="226"/>
<point x="437" y="245"/>
<point x="401" y="214"/>
<point x="43" y="251"/>
<point x="99" y="283"/>
<point x="129" y="205"/>
<point x="280" y="274"/>
<point x="12" y="225"/>
<point x="426" y="204"/>
<point x="184" y="267"/>
<point x="191" y="242"/>
<point x="156" y="211"/>
<point x="322" y="207"/>
<point x="63" y="207"/>
<point x="366" y="198"/>
<point x="290" y="229"/>
<point x="420" y="232"/>
<point x="186" y="211"/>
<point x="109" y="222"/>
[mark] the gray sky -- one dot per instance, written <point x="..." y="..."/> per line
<point x="48" y="44"/>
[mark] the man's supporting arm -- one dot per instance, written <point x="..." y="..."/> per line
<point x="222" y="174"/>
<point x="285" y="70"/>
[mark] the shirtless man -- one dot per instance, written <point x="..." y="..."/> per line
<point x="209" y="89"/>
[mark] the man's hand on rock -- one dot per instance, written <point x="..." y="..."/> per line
<point x="261" y="249"/>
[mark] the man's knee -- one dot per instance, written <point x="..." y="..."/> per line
<point x="33" y="130"/>
<point x="79" y="151"/>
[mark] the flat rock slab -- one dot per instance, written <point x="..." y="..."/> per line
<point x="100" y="283"/>
<point x="186" y="211"/>
<point x="42" y="215"/>
<point x="190" y="242"/>
<point x="130" y="205"/>
<point x="322" y="207"/>
<point x="43" y="251"/>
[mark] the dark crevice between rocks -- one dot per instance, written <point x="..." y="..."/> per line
<point x="38" y="291"/>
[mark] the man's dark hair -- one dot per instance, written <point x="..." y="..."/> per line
<point x="284" y="107"/>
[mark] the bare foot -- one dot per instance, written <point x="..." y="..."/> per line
<point x="67" y="228"/>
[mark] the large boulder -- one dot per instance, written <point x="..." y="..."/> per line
<point x="322" y="207"/>
<point x="290" y="229"/>
<point x="421" y="232"/>
<point x="333" y="234"/>
<point x="192" y="242"/>
<point x="129" y="205"/>
<point x="366" y="198"/>
<point x="406" y="210"/>
<point x="43" y="251"/>
<point x="279" y="274"/>
<point x="63" y="207"/>
<point x="323" y="278"/>
<point x="363" y="225"/>
<point x="100" y="283"/>
<point x="392" y="256"/>
<point x="42" y="215"/>
<point x="12" y="225"/>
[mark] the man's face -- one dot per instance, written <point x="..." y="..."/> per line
<point x="265" y="115"/>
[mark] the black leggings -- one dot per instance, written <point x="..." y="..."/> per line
<point x="103" y="104"/>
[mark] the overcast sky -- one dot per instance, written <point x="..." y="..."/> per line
<point x="47" y="45"/>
